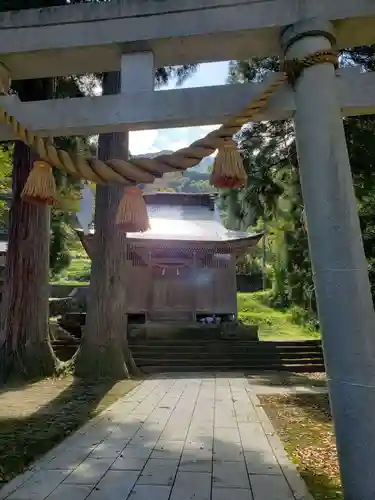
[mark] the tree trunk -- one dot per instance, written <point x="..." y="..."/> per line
<point x="104" y="352"/>
<point x="25" y="307"/>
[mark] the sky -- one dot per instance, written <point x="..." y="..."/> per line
<point x="152" y="141"/>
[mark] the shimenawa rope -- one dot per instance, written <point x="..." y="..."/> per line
<point x="145" y="170"/>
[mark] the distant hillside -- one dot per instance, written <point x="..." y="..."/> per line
<point x="153" y="155"/>
<point x="205" y="165"/>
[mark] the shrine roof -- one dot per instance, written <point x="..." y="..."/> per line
<point x="188" y="217"/>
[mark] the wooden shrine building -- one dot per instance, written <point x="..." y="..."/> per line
<point x="183" y="267"/>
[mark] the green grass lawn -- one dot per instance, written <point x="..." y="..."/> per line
<point x="78" y="272"/>
<point x="274" y="324"/>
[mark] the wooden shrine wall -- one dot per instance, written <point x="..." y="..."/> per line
<point x="215" y="286"/>
<point x="172" y="288"/>
<point x="207" y="287"/>
<point x="138" y="283"/>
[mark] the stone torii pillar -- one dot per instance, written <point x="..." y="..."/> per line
<point x="340" y="270"/>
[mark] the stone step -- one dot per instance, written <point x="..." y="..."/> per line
<point x="218" y="347"/>
<point x="242" y="368"/>
<point x="225" y="361"/>
<point x="160" y="355"/>
<point x="274" y="343"/>
<point x="141" y="360"/>
<point x="238" y="354"/>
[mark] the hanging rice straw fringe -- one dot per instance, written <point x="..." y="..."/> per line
<point x="228" y="170"/>
<point x="132" y="216"/>
<point x="40" y="187"/>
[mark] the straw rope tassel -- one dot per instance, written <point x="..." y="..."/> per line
<point x="137" y="170"/>
<point x="132" y="216"/>
<point x="145" y="170"/>
<point x="228" y="170"/>
<point x="40" y="187"/>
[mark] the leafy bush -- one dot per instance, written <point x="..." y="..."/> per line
<point x="274" y="323"/>
<point x="304" y="318"/>
<point x="78" y="271"/>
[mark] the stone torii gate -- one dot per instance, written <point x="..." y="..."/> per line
<point x="136" y="37"/>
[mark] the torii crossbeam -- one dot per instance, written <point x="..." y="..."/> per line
<point x="136" y="37"/>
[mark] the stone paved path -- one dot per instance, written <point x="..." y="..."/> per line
<point x="183" y="438"/>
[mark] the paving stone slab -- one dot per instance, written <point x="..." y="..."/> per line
<point x="168" y="449"/>
<point x="17" y="482"/>
<point x="226" y="422"/>
<point x="197" y="454"/>
<point x="199" y="428"/>
<point x="89" y="440"/>
<point x="126" y="429"/>
<point x="231" y="494"/>
<point x="71" y="492"/>
<point x="267" y="487"/>
<point x="40" y="485"/>
<point x="175" y="434"/>
<point x="136" y="452"/>
<point x="195" y="465"/>
<point x="204" y="443"/>
<point x="253" y="437"/>
<point x="147" y="435"/>
<point x="67" y="460"/>
<point x="147" y="492"/>
<point x="262" y="463"/>
<point x="226" y="451"/>
<point x="108" y="449"/>
<point x="129" y="463"/>
<point x="169" y="440"/>
<point x="227" y="434"/>
<point x="90" y="471"/>
<point x="115" y="485"/>
<point x="192" y="485"/>
<point x="159" y="471"/>
<point x="230" y="475"/>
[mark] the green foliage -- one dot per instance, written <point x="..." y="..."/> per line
<point x="5" y="169"/>
<point x="256" y="309"/>
<point x="59" y="253"/>
<point x="61" y="233"/>
<point x="360" y="132"/>
<point x="68" y="188"/>
<point x="366" y="213"/>
<point x="274" y="196"/>
<point x="78" y="271"/>
<point x="5" y="184"/>
<point x="192" y="182"/>
<point x="181" y="73"/>
<point x="301" y="316"/>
